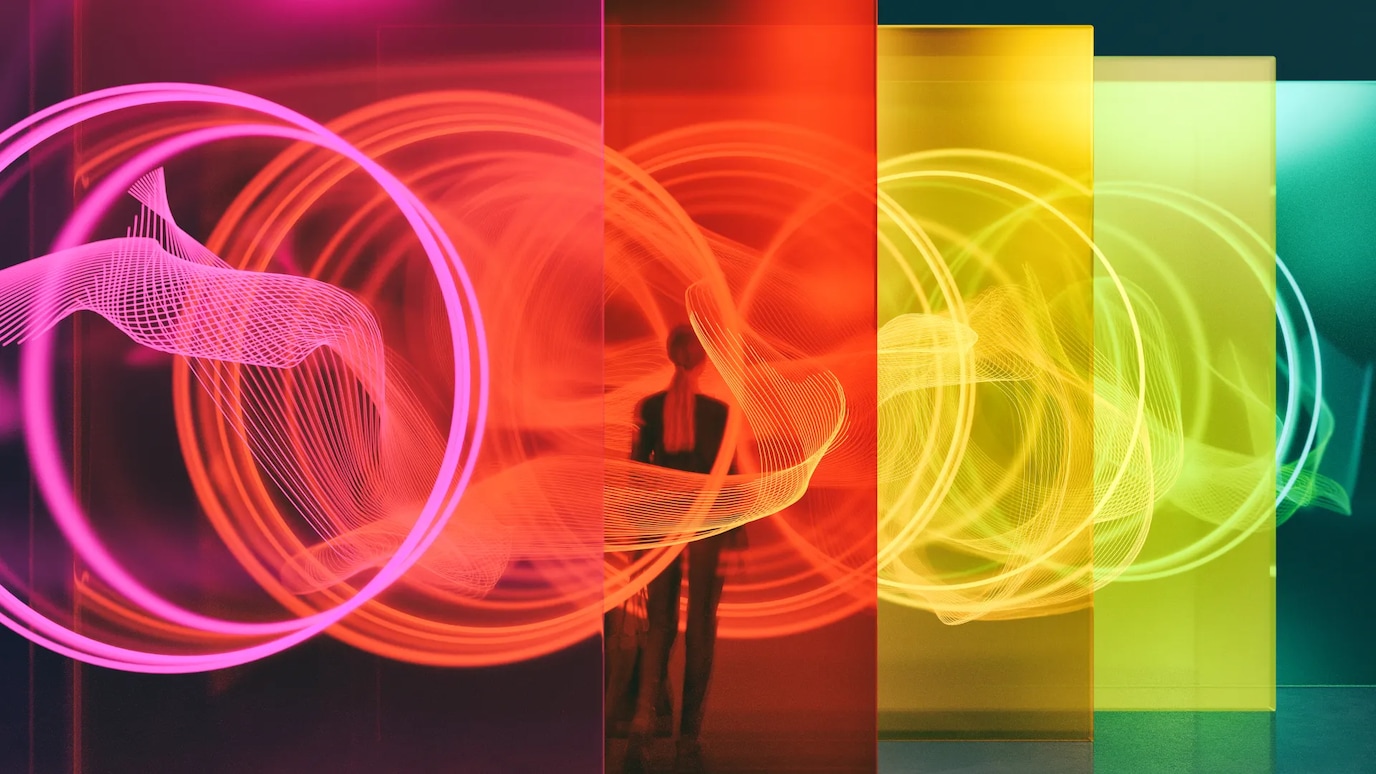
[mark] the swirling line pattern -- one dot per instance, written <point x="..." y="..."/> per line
<point x="1068" y="516"/>
<point x="655" y="264"/>
<point x="527" y="550"/>
<point x="213" y="642"/>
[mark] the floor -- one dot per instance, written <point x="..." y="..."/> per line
<point x="1315" y="730"/>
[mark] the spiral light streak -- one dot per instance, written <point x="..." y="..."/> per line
<point x="1023" y="559"/>
<point x="343" y="443"/>
<point x="29" y="133"/>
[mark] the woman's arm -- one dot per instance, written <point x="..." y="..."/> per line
<point x="643" y="442"/>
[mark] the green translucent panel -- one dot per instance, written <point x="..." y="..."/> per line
<point x="1184" y="212"/>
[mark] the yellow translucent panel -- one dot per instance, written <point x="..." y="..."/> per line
<point x="986" y="416"/>
<point x="1184" y="211"/>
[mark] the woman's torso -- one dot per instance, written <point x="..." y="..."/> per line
<point x="709" y="427"/>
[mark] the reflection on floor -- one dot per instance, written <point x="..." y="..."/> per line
<point x="981" y="757"/>
<point x="1313" y="731"/>
<point x="755" y="751"/>
<point x="763" y="718"/>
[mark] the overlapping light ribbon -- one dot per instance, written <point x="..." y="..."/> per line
<point x="161" y="306"/>
<point x="343" y="442"/>
<point x="1103" y="440"/>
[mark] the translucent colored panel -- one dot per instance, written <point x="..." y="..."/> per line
<point x="741" y="200"/>
<point x="492" y="117"/>
<point x="987" y="494"/>
<point x="1325" y="226"/>
<point x="1185" y="310"/>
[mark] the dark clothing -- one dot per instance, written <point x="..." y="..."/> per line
<point x="704" y="581"/>
<point x="700" y="635"/>
<point x="709" y="426"/>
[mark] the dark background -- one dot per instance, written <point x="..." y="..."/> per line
<point x="1319" y="40"/>
<point x="1324" y="562"/>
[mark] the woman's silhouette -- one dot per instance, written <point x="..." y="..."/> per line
<point x="682" y="429"/>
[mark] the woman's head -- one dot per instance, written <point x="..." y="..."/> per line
<point x="685" y="351"/>
<point x="687" y="355"/>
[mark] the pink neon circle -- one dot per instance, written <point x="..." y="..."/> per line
<point x="240" y="628"/>
<point x="36" y="359"/>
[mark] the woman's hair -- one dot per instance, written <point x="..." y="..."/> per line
<point x="686" y="353"/>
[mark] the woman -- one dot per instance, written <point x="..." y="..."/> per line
<point x="681" y="429"/>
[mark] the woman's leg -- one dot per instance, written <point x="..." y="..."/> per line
<point x="664" y="709"/>
<point x="704" y="592"/>
<point x="662" y="613"/>
<point x="621" y="658"/>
